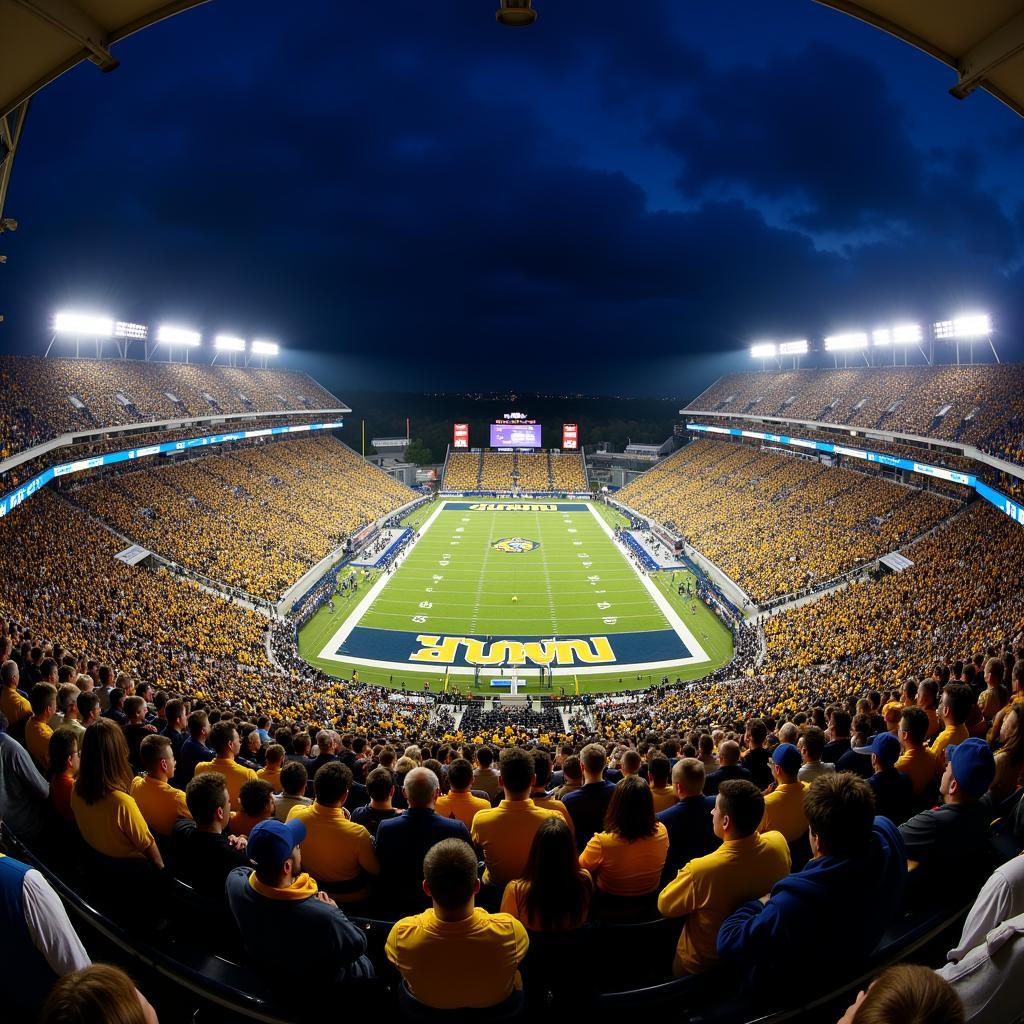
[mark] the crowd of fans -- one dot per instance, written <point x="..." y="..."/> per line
<point x="983" y="400"/>
<point x="462" y="472"/>
<point x="254" y="519"/>
<point x="110" y="392"/>
<point x="505" y="471"/>
<point x="567" y="472"/>
<point x="496" y="471"/>
<point x="776" y="523"/>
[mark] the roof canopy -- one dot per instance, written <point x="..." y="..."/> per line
<point x="982" y="40"/>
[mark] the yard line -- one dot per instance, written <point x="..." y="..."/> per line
<point x="547" y="575"/>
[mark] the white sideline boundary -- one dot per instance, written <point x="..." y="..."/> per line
<point x="697" y="653"/>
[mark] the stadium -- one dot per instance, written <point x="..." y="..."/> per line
<point x="728" y="723"/>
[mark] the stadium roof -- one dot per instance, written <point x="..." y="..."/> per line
<point x="982" y="40"/>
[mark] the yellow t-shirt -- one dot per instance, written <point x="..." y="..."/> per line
<point x="37" y="740"/>
<point x="335" y="849"/>
<point x="505" y="834"/>
<point x="271" y="776"/>
<point x="664" y="798"/>
<point x="449" y="965"/>
<point x="950" y="736"/>
<point x="626" y="868"/>
<point x="784" y="811"/>
<point x="113" y="826"/>
<point x="235" y="775"/>
<point x="514" y="902"/>
<point x="462" y="806"/>
<point x="13" y="705"/>
<point x="161" y="804"/>
<point x="710" y="888"/>
<point x="920" y="764"/>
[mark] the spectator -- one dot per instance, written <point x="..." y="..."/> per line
<point x="270" y="773"/>
<point x="588" y="805"/>
<point x="906" y="992"/>
<point x="1001" y="898"/>
<point x="380" y="785"/>
<point x="43" y="700"/>
<point x="955" y="706"/>
<point x="927" y="698"/>
<point x="950" y="842"/>
<point x="488" y="948"/>
<point x="159" y="802"/>
<point x="839" y="733"/>
<point x="539" y="793"/>
<point x="23" y="791"/>
<point x="108" y="818"/>
<point x="176" y="725"/>
<point x="894" y="790"/>
<point x="658" y="771"/>
<point x="779" y="942"/>
<point x="278" y="900"/>
<point x="812" y="745"/>
<point x="257" y="804"/>
<point x="459" y="802"/>
<point x="204" y="854"/>
<point x="293" y="788"/>
<point x="88" y="705"/>
<point x="485" y="778"/>
<point x="97" y="994"/>
<point x="1010" y="755"/>
<point x="336" y="852"/>
<point x="64" y="760"/>
<point x="572" y="778"/>
<point x="729" y="768"/>
<point x="505" y="833"/>
<point x="917" y="760"/>
<point x="554" y="893"/>
<point x="688" y="822"/>
<point x="225" y="741"/>
<point x="14" y="704"/>
<point x="404" y="841"/>
<point x="784" y="805"/>
<point x="67" y="708"/>
<point x="39" y="944"/>
<point x="708" y="889"/>
<point x="136" y="728"/>
<point x="853" y="760"/>
<point x="194" y="750"/>
<point x="755" y="760"/>
<point x="628" y="857"/>
<point x="115" y="707"/>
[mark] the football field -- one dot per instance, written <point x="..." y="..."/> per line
<point x="536" y="590"/>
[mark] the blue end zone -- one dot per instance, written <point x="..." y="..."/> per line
<point x="512" y="505"/>
<point x="498" y="651"/>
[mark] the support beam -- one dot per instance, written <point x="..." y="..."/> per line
<point x="986" y="56"/>
<point x="10" y="135"/>
<point x="74" y="22"/>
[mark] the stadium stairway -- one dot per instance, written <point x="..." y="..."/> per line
<point x="551" y="475"/>
<point x="480" y="471"/>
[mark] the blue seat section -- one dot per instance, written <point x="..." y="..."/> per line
<point x="627" y="648"/>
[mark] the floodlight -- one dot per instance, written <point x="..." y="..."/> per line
<point x="763" y="350"/>
<point x="793" y="348"/>
<point x="975" y="325"/>
<point x="83" y="324"/>
<point x="906" y="334"/>
<point x="264" y="348"/>
<point x="177" y="335"/>
<point x="227" y="343"/>
<point x="883" y="336"/>
<point x="138" y="332"/>
<point x="846" y="342"/>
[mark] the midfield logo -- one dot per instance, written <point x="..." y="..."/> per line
<point x="594" y="650"/>
<point x="515" y="545"/>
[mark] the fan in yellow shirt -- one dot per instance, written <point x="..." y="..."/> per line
<point x="43" y="700"/>
<point x="459" y="802"/>
<point x="225" y="742"/>
<point x="160" y="803"/>
<point x="917" y="760"/>
<point x="784" y="806"/>
<point x="12" y="703"/>
<point x="487" y="948"/>
<point x="955" y="706"/>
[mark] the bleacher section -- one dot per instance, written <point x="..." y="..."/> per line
<point x="775" y="523"/>
<point x="978" y="405"/>
<point x="463" y="472"/>
<point x="503" y="472"/>
<point x="254" y="519"/>
<point x="48" y="397"/>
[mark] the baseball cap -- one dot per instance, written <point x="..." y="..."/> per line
<point x="973" y="766"/>
<point x="271" y="842"/>
<point x="884" y="746"/>
<point x="788" y="758"/>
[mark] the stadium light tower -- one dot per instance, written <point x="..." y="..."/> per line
<point x="227" y="343"/>
<point x="264" y="350"/>
<point x="853" y="341"/>
<point x="516" y="13"/>
<point x="969" y="327"/>
<point x="899" y="336"/>
<point x="795" y="349"/>
<point x="173" y="337"/>
<point x="764" y="350"/>
<point x="75" y="325"/>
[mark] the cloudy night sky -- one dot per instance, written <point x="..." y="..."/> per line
<point x="617" y="200"/>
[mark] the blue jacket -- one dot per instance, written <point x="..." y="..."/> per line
<point x="690" y="832"/>
<point x="810" y="929"/>
<point x="401" y="843"/>
<point x="586" y="807"/>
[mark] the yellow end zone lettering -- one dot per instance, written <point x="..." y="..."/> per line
<point x="501" y="507"/>
<point x="595" y="650"/>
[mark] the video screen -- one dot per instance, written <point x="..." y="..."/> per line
<point x="515" y="435"/>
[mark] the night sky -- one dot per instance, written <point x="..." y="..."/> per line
<point x="617" y="200"/>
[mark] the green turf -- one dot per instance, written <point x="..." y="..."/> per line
<point x="475" y="589"/>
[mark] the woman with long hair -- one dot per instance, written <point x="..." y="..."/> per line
<point x="554" y="894"/>
<point x="1010" y="755"/>
<point x="628" y="857"/>
<point x="105" y="812"/>
<point x="100" y="994"/>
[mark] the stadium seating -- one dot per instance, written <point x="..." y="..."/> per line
<point x="979" y="405"/>
<point x="111" y="392"/>
<point x="530" y="472"/>
<point x="463" y="472"/>
<point x="777" y="523"/>
<point x="256" y="518"/>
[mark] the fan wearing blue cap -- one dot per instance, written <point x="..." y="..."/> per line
<point x="894" y="791"/>
<point x="950" y="842"/>
<point x="278" y="901"/>
<point x="784" y="806"/>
